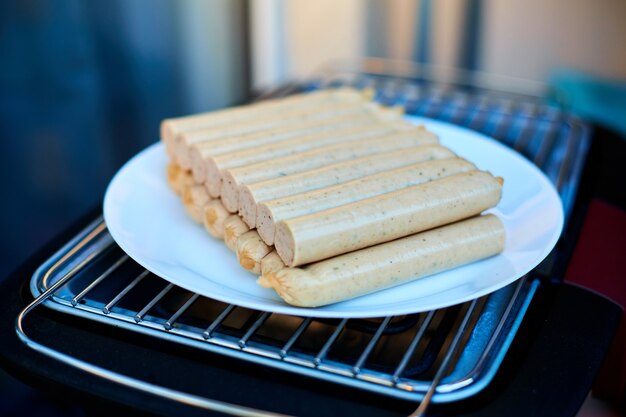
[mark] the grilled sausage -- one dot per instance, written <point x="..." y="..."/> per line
<point x="385" y="217"/>
<point x="388" y="264"/>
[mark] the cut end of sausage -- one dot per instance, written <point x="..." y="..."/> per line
<point x="168" y="136"/>
<point x="198" y="168"/>
<point x="169" y="145"/>
<point x="213" y="180"/>
<point x="183" y="155"/>
<point x="285" y="243"/>
<point x="230" y="192"/>
<point x="265" y="223"/>
<point x="247" y="206"/>
<point x="178" y="147"/>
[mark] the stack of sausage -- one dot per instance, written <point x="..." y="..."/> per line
<point x="329" y="195"/>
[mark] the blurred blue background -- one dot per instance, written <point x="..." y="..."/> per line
<point x="83" y="87"/>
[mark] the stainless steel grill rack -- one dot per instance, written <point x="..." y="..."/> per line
<point x="447" y="354"/>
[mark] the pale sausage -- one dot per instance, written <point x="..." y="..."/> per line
<point x="205" y="150"/>
<point x="388" y="264"/>
<point x="306" y="161"/>
<point x="338" y="173"/>
<point x="270" y="212"/>
<point x="213" y="167"/>
<point x="293" y="117"/>
<point x="385" y="217"/>
<point x="172" y="127"/>
<point x="310" y="160"/>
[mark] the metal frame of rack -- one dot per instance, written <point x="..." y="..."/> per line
<point x="480" y="333"/>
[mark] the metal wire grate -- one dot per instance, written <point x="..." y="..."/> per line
<point x="455" y="349"/>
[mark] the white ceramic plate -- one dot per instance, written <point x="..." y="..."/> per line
<point x="150" y="224"/>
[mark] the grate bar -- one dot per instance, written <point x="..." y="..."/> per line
<point x="255" y="326"/>
<point x="505" y="124"/>
<point x="549" y="138"/>
<point x="218" y="320"/>
<point x="412" y="346"/>
<point x="356" y="369"/>
<point x="452" y="349"/>
<point x="170" y="322"/>
<point x="139" y="316"/>
<point x="98" y="280"/>
<point x="322" y="353"/>
<point x="107" y="308"/>
<point x="517" y="133"/>
<point x="567" y="163"/>
<point x="295" y="336"/>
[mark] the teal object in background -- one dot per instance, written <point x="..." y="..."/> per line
<point x="601" y="101"/>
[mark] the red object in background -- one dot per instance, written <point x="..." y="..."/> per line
<point x="599" y="264"/>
